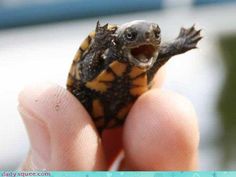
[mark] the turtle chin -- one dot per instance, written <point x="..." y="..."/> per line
<point x="143" y="56"/>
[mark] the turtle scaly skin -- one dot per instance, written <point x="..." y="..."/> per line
<point x="116" y="64"/>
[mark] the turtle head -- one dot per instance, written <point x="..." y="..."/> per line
<point x="139" y="41"/>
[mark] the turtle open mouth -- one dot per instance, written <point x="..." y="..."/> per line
<point x="143" y="55"/>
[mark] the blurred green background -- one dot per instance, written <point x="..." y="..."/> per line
<point x="227" y="100"/>
<point x="39" y="38"/>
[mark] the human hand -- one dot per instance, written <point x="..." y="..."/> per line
<point x="160" y="133"/>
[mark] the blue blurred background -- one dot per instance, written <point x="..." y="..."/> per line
<point x="39" y="38"/>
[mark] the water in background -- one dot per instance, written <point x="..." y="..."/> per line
<point x="205" y="76"/>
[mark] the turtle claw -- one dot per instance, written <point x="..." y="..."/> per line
<point x="188" y="38"/>
<point x="191" y="30"/>
<point x="103" y="36"/>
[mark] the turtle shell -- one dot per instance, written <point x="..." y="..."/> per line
<point x="118" y="87"/>
<point x="74" y="72"/>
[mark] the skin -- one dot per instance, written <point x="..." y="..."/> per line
<point x="63" y="136"/>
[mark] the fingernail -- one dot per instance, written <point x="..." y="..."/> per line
<point x="39" y="139"/>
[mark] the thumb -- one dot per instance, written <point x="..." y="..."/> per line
<point x="61" y="133"/>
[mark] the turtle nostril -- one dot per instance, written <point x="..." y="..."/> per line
<point x="156" y="31"/>
<point x="147" y="35"/>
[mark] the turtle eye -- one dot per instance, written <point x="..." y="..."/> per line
<point x="130" y="35"/>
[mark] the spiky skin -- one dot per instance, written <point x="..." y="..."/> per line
<point x="106" y="83"/>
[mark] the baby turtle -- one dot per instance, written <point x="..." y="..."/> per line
<point x="116" y="64"/>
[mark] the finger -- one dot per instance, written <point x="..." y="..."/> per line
<point x="159" y="78"/>
<point x="112" y="144"/>
<point x="161" y="133"/>
<point x="61" y="133"/>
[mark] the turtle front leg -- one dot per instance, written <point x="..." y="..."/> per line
<point x="186" y="40"/>
<point x="92" y="62"/>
